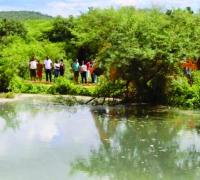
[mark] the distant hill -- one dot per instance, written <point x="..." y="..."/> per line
<point x="23" y="15"/>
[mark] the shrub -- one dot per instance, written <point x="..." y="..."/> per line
<point x="111" y="89"/>
<point x="182" y="94"/>
<point x="17" y="85"/>
<point x="8" y="95"/>
<point x="64" y="86"/>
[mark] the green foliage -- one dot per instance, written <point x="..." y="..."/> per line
<point x="17" y="47"/>
<point x="61" y="30"/>
<point x="111" y="89"/>
<point x="36" y="28"/>
<point x="11" y="27"/>
<point x="17" y="85"/>
<point x="61" y="86"/>
<point x="16" y="55"/>
<point x="182" y="94"/>
<point x="145" y="47"/>
<point x="64" y="86"/>
<point x="92" y="31"/>
<point x="8" y="95"/>
<point x="196" y="77"/>
<point x="6" y="74"/>
<point x="9" y="30"/>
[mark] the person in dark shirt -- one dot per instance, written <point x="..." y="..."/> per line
<point x="62" y="68"/>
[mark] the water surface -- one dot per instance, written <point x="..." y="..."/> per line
<point x="44" y="140"/>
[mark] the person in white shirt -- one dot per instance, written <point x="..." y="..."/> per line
<point x="33" y="68"/>
<point x="83" y="71"/>
<point x="48" y="68"/>
<point x="56" y="69"/>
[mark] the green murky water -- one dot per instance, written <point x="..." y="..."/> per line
<point x="42" y="140"/>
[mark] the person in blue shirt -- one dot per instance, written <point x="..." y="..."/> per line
<point x="75" y="69"/>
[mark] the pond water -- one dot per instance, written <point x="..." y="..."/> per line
<point x="44" y="140"/>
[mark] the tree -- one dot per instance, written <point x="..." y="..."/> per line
<point x="147" y="46"/>
<point x="11" y="27"/>
<point x="61" y="30"/>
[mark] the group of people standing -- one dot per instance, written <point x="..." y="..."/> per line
<point x="85" y="69"/>
<point x="36" y="69"/>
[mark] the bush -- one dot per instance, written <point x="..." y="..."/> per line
<point x="111" y="89"/>
<point x="64" y="86"/>
<point x="196" y="77"/>
<point x="12" y="27"/>
<point x="182" y="94"/>
<point x="17" y="85"/>
<point x="8" y="95"/>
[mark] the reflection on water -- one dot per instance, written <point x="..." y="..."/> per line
<point x="40" y="139"/>
<point x="144" y="143"/>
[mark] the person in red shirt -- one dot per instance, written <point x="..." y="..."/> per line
<point x="39" y="70"/>
<point x="188" y="67"/>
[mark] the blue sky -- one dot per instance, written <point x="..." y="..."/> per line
<point x="74" y="7"/>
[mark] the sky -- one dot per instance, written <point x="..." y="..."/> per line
<point x="75" y="7"/>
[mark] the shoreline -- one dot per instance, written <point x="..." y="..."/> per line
<point x="83" y="99"/>
<point x="22" y="96"/>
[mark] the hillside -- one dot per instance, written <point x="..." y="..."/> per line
<point x="22" y="15"/>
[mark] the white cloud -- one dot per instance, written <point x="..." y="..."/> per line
<point x="188" y="141"/>
<point x="75" y="7"/>
<point x="43" y="131"/>
<point x="125" y="2"/>
<point x="194" y="4"/>
<point x="58" y="5"/>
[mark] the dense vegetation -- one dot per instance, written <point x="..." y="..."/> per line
<point x="140" y="51"/>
